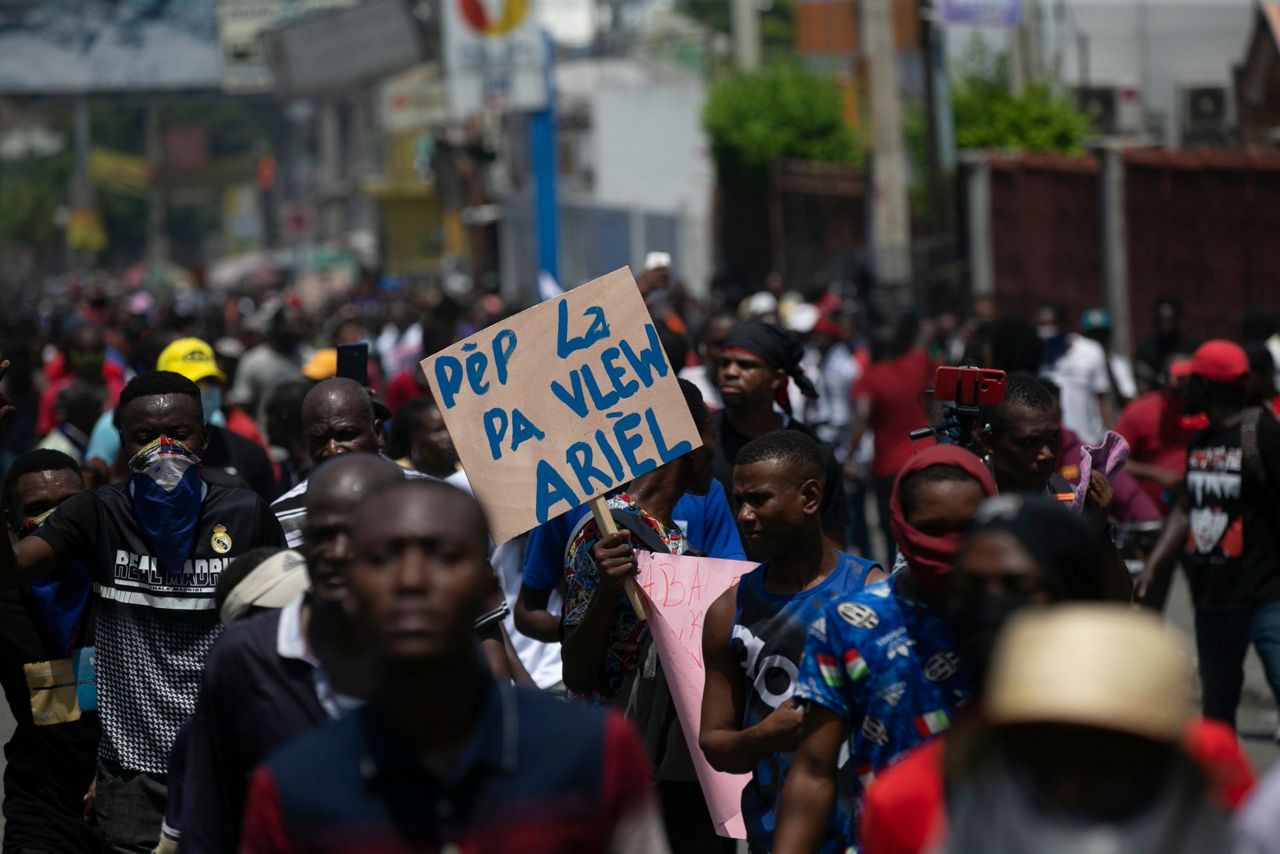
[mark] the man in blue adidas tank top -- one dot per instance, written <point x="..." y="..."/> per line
<point x="754" y="635"/>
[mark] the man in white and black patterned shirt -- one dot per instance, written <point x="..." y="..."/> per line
<point x="338" y="418"/>
<point x="155" y="547"/>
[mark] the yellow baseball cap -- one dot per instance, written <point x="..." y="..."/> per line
<point x="323" y="365"/>
<point x="192" y="358"/>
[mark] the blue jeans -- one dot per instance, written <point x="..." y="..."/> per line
<point x="1222" y="641"/>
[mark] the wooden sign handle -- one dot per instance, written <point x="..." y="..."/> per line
<point x="604" y="521"/>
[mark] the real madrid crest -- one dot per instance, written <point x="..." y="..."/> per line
<point x="221" y="540"/>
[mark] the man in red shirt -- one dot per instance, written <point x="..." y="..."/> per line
<point x="494" y="769"/>
<point x="85" y="360"/>
<point x="1158" y="432"/>
<point x="888" y="401"/>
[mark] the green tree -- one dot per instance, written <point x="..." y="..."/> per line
<point x="782" y="111"/>
<point x="31" y="190"/>
<point x="989" y="115"/>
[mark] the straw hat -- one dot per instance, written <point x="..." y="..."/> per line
<point x="1105" y="666"/>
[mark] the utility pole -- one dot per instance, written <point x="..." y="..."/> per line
<point x="1025" y="59"/>
<point x="157" y="249"/>
<point x="890" y="215"/>
<point x="332" y="219"/>
<point x="746" y="34"/>
<point x="542" y="146"/>
<point x="939" y="207"/>
<point x="81" y="195"/>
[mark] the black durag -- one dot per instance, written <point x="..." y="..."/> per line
<point x="777" y="347"/>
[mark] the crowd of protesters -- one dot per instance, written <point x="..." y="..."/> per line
<point x="252" y="604"/>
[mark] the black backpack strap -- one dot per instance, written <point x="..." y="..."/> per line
<point x="1252" y="464"/>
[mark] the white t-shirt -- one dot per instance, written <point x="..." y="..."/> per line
<point x="542" y="660"/>
<point x="1081" y="373"/>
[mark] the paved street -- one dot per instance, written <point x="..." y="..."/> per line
<point x="1257" y="718"/>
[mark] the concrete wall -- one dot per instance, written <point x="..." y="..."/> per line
<point x="650" y="153"/>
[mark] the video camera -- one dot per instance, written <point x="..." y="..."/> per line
<point x="962" y="391"/>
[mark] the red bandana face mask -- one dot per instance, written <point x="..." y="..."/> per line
<point x="933" y="555"/>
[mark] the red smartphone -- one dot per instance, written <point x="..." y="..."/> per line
<point x="969" y="386"/>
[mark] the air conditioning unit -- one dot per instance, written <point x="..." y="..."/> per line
<point x="1115" y="109"/>
<point x="1204" y="108"/>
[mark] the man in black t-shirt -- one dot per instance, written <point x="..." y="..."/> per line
<point x="758" y="362"/>
<point x="1225" y="529"/>
<point x="46" y="640"/>
<point x="154" y="547"/>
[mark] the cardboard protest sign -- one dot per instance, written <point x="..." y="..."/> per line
<point x="561" y="404"/>
<point x="680" y="590"/>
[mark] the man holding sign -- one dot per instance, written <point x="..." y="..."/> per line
<point x="558" y="406"/>
<point x="754" y="635"/>
<point x="607" y="652"/>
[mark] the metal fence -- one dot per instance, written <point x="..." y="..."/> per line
<point x="1202" y="227"/>
<point x="1045" y="230"/>
<point x="1197" y="226"/>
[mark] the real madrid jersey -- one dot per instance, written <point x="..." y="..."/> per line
<point x="887" y="666"/>
<point x="154" y="630"/>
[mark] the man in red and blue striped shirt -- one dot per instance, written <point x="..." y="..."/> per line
<point x="445" y="758"/>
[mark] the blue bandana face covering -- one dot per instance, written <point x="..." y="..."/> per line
<point x="165" y="486"/>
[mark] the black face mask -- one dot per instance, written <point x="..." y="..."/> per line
<point x="975" y="621"/>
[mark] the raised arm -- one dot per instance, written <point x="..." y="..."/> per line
<point x="24" y="560"/>
<point x="32" y="556"/>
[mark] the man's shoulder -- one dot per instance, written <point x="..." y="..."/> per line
<point x="555" y="713"/>
<point x="238" y="444"/>
<point x="291" y="498"/>
<point x="237" y="497"/>
<point x="828" y="455"/>
<point x="334" y="747"/>
<point x="249" y="639"/>
<point x="867" y="613"/>
<point x="853" y="565"/>
<point x="801" y="427"/>
<point x="1268" y="425"/>
<point x="1087" y="349"/>
<point x="550" y="726"/>
<point x="1148" y="403"/>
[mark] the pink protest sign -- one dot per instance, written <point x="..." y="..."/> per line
<point x="680" y="590"/>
